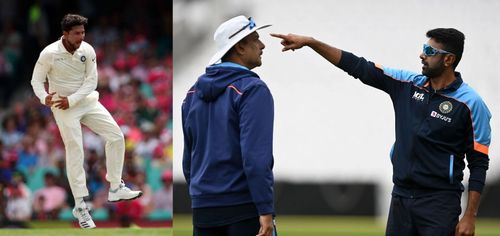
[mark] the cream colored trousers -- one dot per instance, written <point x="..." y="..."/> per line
<point x="89" y="112"/>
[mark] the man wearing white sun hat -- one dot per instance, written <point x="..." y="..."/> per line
<point x="227" y="119"/>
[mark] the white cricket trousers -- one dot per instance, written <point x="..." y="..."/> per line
<point x="91" y="113"/>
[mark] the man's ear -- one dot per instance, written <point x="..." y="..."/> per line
<point x="449" y="59"/>
<point x="239" y="48"/>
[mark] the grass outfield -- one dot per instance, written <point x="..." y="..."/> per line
<point x="92" y="232"/>
<point x="331" y="226"/>
<point x="58" y="228"/>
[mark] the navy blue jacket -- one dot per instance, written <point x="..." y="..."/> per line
<point x="227" y="119"/>
<point x="435" y="130"/>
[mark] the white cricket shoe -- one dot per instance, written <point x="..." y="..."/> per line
<point x="122" y="193"/>
<point x="84" y="218"/>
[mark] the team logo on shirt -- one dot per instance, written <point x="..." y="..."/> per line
<point x="83" y="58"/>
<point x="445" y="107"/>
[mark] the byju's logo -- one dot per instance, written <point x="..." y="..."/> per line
<point x="418" y="96"/>
<point x="439" y="116"/>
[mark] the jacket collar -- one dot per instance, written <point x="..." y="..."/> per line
<point x="450" y="88"/>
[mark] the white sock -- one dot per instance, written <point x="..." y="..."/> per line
<point x="114" y="186"/>
<point x="79" y="202"/>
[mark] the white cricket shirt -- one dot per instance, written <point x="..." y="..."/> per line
<point x="72" y="75"/>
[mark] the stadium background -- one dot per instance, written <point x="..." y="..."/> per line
<point x="332" y="133"/>
<point x="133" y="43"/>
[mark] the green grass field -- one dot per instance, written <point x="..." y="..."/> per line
<point x="58" y="228"/>
<point x="92" y="232"/>
<point x="332" y="226"/>
<point x="287" y="226"/>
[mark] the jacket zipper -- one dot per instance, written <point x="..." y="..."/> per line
<point x="452" y="158"/>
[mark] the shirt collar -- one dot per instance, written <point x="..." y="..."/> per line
<point x="455" y="84"/>
<point x="452" y="87"/>
<point x="61" y="45"/>
<point x="230" y="64"/>
<point x="63" y="49"/>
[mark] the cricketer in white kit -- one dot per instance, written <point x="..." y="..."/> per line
<point x="69" y="65"/>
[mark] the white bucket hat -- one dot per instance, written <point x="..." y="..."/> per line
<point x="231" y="32"/>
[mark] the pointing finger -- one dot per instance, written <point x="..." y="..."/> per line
<point x="281" y="36"/>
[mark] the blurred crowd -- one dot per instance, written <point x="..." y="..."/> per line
<point x="133" y="43"/>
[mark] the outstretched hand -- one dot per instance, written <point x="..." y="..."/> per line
<point x="292" y="41"/>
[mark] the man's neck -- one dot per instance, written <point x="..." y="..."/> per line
<point x="68" y="47"/>
<point x="232" y="64"/>
<point x="444" y="80"/>
<point x="238" y="61"/>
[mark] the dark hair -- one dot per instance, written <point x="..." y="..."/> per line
<point x="70" y="20"/>
<point x="452" y="40"/>
<point x="231" y="51"/>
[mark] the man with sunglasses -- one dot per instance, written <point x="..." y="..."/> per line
<point x="227" y="121"/>
<point x="440" y="121"/>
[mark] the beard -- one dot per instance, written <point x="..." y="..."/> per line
<point x="434" y="71"/>
<point x="259" y="61"/>
<point x="75" y="45"/>
<point x="71" y="47"/>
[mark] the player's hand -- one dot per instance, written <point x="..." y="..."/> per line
<point x="292" y="41"/>
<point x="62" y="103"/>
<point x="266" y="225"/>
<point x="466" y="226"/>
<point x="48" y="99"/>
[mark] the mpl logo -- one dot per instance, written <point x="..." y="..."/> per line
<point x="441" y="117"/>
<point x="418" y="96"/>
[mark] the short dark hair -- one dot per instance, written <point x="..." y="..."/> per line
<point x="70" y="20"/>
<point x="452" y="40"/>
<point x="231" y="51"/>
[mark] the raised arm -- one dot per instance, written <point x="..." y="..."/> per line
<point x="293" y="41"/>
<point x="357" y="67"/>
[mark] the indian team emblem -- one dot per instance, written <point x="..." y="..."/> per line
<point x="445" y="107"/>
<point x="83" y="58"/>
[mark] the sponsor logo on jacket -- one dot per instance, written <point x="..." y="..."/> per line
<point x="439" y="116"/>
<point x="418" y="96"/>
